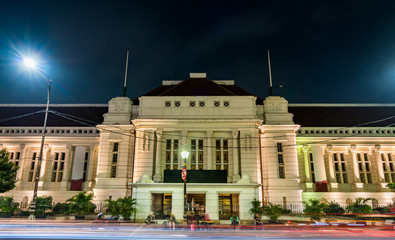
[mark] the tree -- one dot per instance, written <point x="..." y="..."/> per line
<point x="360" y="206"/>
<point x="314" y="208"/>
<point x="81" y="204"/>
<point x="273" y="211"/>
<point x="7" y="173"/>
<point x="391" y="186"/>
<point x="256" y="207"/>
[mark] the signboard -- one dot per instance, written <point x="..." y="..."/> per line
<point x="184" y="174"/>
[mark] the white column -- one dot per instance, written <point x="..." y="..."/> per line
<point x="22" y="162"/>
<point x="44" y="163"/>
<point x="67" y="167"/>
<point x="355" y="164"/>
<point x="236" y="175"/>
<point x="89" y="170"/>
<point x="305" y="150"/>
<point x="330" y="163"/>
<point x="319" y="164"/>
<point x="43" y="167"/>
<point x="377" y="154"/>
<point x="157" y="176"/>
<point x="209" y="135"/>
<point x="183" y="147"/>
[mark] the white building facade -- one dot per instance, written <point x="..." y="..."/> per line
<point x="240" y="148"/>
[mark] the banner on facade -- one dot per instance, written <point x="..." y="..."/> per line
<point x="78" y="168"/>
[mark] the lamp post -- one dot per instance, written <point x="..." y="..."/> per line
<point x="30" y="63"/>
<point x="184" y="156"/>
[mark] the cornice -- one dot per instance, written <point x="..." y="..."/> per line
<point x="104" y="127"/>
<point x="168" y="122"/>
<point x="279" y="127"/>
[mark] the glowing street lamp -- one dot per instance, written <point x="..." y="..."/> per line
<point x="184" y="155"/>
<point x="30" y="63"/>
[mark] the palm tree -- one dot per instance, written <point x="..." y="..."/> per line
<point x="126" y="206"/>
<point x="81" y="204"/>
<point x="314" y="208"/>
<point x="121" y="206"/>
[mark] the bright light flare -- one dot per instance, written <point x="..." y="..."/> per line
<point x="30" y="63"/>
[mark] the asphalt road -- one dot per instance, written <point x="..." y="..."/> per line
<point x="84" y="231"/>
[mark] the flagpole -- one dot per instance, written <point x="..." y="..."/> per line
<point x="126" y="73"/>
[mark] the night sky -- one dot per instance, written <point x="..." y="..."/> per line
<point x="321" y="51"/>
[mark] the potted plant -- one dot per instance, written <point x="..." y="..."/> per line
<point x="7" y="206"/>
<point x="81" y="205"/>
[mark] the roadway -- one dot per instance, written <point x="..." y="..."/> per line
<point x="76" y="231"/>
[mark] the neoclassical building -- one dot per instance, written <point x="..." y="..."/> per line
<point x="240" y="147"/>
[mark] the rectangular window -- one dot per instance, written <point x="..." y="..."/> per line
<point x="113" y="171"/>
<point x="85" y="171"/>
<point x="221" y="154"/>
<point x="340" y="167"/>
<point x="280" y="161"/>
<point x="197" y="154"/>
<point x="115" y="148"/>
<point x="364" y="168"/>
<point x="388" y="167"/>
<point x="311" y="164"/>
<point x="58" y="166"/>
<point x="115" y="152"/>
<point x="33" y="168"/>
<point x="172" y="159"/>
<point x="14" y="157"/>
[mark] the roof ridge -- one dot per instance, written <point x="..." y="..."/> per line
<point x="190" y="79"/>
<point x="55" y="105"/>
<point x="341" y="105"/>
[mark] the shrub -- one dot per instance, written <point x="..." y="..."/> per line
<point x="42" y="205"/>
<point x="273" y="211"/>
<point x="7" y="206"/>
<point x="334" y="207"/>
<point x="360" y="206"/>
<point x="314" y="208"/>
<point x="391" y="186"/>
<point x="381" y="210"/>
<point x="256" y="207"/>
<point x="61" y="208"/>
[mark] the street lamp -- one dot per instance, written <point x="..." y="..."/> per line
<point x="30" y="63"/>
<point x="184" y="155"/>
